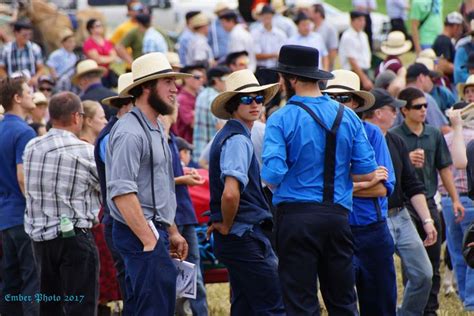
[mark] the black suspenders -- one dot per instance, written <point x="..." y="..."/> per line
<point x="330" y="151"/>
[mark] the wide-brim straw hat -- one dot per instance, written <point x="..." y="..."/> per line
<point x="279" y="6"/>
<point x="124" y="81"/>
<point x="199" y="20"/>
<point x="64" y="34"/>
<point x="396" y="44"/>
<point x="348" y="82"/>
<point x="428" y="53"/>
<point x="173" y="59"/>
<point x="221" y="6"/>
<point x="39" y="98"/>
<point x="241" y="82"/>
<point x="150" y="67"/>
<point x="469" y="82"/>
<point x="85" y="67"/>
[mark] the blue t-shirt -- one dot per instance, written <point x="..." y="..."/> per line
<point x="294" y="147"/>
<point x="364" y="210"/>
<point x="14" y="135"/>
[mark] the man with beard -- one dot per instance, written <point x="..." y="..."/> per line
<point x="139" y="161"/>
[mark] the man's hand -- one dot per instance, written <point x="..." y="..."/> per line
<point x="431" y="234"/>
<point x="458" y="209"/>
<point x="193" y="180"/>
<point x="367" y="84"/>
<point x="455" y="117"/>
<point x="178" y="246"/>
<point x="381" y="174"/>
<point x="220" y="227"/>
<point x="417" y="158"/>
<point x="150" y="246"/>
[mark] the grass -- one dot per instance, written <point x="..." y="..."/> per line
<point x="219" y="305"/>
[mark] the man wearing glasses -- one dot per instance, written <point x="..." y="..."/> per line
<point x="430" y="156"/>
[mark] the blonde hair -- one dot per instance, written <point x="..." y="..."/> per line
<point x="90" y="108"/>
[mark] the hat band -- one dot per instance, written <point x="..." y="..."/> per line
<point x="152" y="74"/>
<point x="250" y="85"/>
<point x="338" y="86"/>
<point x="290" y="68"/>
<point x="394" y="45"/>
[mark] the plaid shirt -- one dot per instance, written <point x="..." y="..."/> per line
<point x="24" y="60"/>
<point x="204" y="121"/>
<point x="60" y="178"/>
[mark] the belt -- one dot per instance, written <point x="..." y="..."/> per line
<point x="394" y="211"/>
<point x="161" y="225"/>
<point x="79" y="230"/>
<point x="460" y="194"/>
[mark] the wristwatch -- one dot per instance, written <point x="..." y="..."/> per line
<point x="428" y="220"/>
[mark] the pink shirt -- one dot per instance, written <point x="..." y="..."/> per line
<point x="184" y="124"/>
<point x="103" y="50"/>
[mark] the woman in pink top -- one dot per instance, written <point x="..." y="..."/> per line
<point x="101" y="50"/>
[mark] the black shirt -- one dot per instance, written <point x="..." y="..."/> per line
<point x="443" y="46"/>
<point x="407" y="184"/>
<point x="470" y="169"/>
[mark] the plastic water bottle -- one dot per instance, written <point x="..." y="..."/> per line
<point x="66" y="227"/>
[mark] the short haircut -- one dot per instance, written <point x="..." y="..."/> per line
<point x="22" y="25"/>
<point x="318" y="8"/>
<point x="368" y="114"/>
<point x="298" y="78"/>
<point x="8" y="89"/>
<point x="409" y="94"/>
<point x="63" y="105"/>
<point x="121" y="102"/>
<point x="189" y="15"/>
<point x="143" y="19"/>
<point x="357" y="14"/>
<point x="90" y="25"/>
<point x="229" y="15"/>
<point x="137" y="91"/>
<point x="90" y="108"/>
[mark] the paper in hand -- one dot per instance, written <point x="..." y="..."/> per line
<point x="186" y="281"/>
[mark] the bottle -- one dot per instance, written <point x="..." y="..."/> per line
<point x="66" y="227"/>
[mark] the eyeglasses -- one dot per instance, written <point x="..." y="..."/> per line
<point x="45" y="89"/>
<point x="418" y="106"/>
<point x="247" y="100"/>
<point x="341" y="98"/>
<point x="81" y="113"/>
<point x="197" y="77"/>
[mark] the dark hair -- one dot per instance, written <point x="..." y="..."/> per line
<point x="189" y="15"/>
<point x="410" y="94"/>
<point x="357" y="14"/>
<point x="233" y="103"/>
<point x="22" y="25"/>
<point x="318" y="8"/>
<point x="36" y="127"/>
<point x="368" y="114"/>
<point x="137" y="91"/>
<point x="301" y="79"/>
<point x="62" y="105"/>
<point x="90" y="25"/>
<point x="121" y="102"/>
<point x="229" y="15"/>
<point x="144" y="19"/>
<point x="8" y="89"/>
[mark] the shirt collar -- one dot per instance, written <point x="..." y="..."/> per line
<point x="93" y="86"/>
<point x="61" y="132"/>
<point x="142" y="116"/>
<point x="323" y="98"/>
<point x="12" y="117"/>
<point x="408" y="131"/>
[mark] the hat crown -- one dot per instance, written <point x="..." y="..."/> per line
<point x="344" y="79"/>
<point x="428" y="62"/>
<point x="150" y="64"/>
<point x="198" y="20"/>
<point x="124" y="81"/>
<point x="470" y="80"/>
<point x="241" y="79"/>
<point x="395" y="39"/>
<point x="428" y="53"/>
<point x="86" y="65"/>
<point x="299" y="56"/>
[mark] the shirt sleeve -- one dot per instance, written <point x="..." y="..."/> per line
<point x="333" y="38"/>
<point x="124" y="153"/>
<point x="460" y="58"/>
<point x="103" y="147"/>
<point x="382" y="156"/>
<point x="52" y="61"/>
<point x="128" y="39"/>
<point x="442" y="155"/>
<point x="274" y="166"/>
<point x="21" y="142"/>
<point x="416" y="11"/>
<point x="236" y="168"/>
<point x="434" y="116"/>
<point x="363" y="156"/>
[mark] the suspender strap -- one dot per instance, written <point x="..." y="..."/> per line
<point x="330" y="150"/>
<point x="148" y="136"/>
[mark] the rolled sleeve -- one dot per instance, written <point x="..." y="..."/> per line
<point x="363" y="157"/>
<point x="274" y="166"/>
<point x="443" y="156"/>
<point x="124" y="153"/>
<point x="236" y="168"/>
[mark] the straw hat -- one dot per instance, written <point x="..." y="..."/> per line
<point x="396" y="44"/>
<point x="221" y="6"/>
<point x="462" y="86"/>
<point x="279" y="6"/>
<point x="173" y="59"/>
<point x="428" y="53"/>
<point x="39" y="98"/>
<point x="150" y="67"/>
<point x="2" y="110"/>
<point x="64" y="34"/>
<point x="198" y="20"/>
<point x="85" y="67"/>
<point x="123" y="81"/>
<point x="345" y="82"/>
<point x="241" y="81"/>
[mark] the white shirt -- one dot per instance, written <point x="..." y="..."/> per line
<point x="268" y="42"/>
<point x="314" y="40"/>
<point x="198" y="50"/>
<point x="239" y="40"/>
<point x="355" y="45"/>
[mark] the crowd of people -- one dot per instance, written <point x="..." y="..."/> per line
<point x="316" y="164"/>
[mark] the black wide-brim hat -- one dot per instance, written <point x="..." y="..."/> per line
<point x="302" y="61"/>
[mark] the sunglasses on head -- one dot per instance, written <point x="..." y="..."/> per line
<point x="247" y="100"/>
<point x="341" y="98"/>
<point x="418" y="106"/>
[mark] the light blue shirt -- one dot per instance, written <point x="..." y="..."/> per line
<point x="62" y="62"/>
<point x="294" y="147"/>
<point x="103" y="147"/>
<point x="218" y="39"/>
<point x="183" y="42"/>
<point x="396" y="9"/>
<point x="460" y="59"/>
<point x="153" y="42"/>
<point x="268" y="42"/>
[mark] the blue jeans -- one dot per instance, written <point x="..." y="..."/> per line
<point x="410" y="249"/>
<point x="454" y="236"/>
<point x="198" y="305"/>
<point x="20" y="275"/>
<point x="150" y="277"/>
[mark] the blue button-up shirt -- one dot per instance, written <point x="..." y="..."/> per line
<point x="364" y="211"/>
<point x="294" y="147"/>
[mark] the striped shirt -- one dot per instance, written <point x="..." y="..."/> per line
<point x="60" y="178"/>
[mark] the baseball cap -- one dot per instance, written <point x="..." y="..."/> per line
<point x="383" y="98"/>
<point x="454" y="18"/>
<point x="384" y="79"/>
<point x="419" y="69"/>
<point x="182" y="144"/>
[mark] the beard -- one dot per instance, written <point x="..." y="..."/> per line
<point x="288" y="88"/>
<point x="158" y="104"/>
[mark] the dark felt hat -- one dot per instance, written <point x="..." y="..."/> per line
<point x="300" y="61"/>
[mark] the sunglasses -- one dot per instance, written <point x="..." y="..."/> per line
<point x="418" y="106"/>
<point x="45" y="89"/>
<point x="247" y="100"/>
<point x="341" y="98"/>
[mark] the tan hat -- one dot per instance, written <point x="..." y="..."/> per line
<point x="241" y="81"/>
<point x="150" y="67"/>
<point x="2" y="110"/>
<point x="257" y="10"/>
<point x="173" y="58"/>
<point x="428" y="62"/>
<point x="396" y="44"/>
<point x="462" y="86"/>
<point x="345" y="82"/>
<point x="64" y="34"/>
<point x="428" y="53"/>
<point x="123" y="81"/>
<point x="85" y="67"/>
<point x="39" y="98"/>
<point x="199" y="20"/>
<point x="221" y="6"/>
<point x="279" y="6"/>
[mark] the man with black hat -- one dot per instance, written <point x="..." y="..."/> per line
<point x="312" y="148"/>
<point x="408" y="245"/>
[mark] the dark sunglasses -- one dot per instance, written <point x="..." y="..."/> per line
<point x="247" y="100"/>
<point x="418" y="106"/>
<point x="45" y="89"/>
<point x="341" y="98"/>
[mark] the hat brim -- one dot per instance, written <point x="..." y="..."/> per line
<point x="107" y="101"/>
<point x="302" y="72"/>
<point x="368" y="97"/>
<point x="175" y="75"/>
<point x="387" y="50"/>
<point x="76" y="77"/>
<point x="217" y="106"/>
<point x="461" y="88"/>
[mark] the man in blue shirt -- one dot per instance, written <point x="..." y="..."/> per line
<point x="313" y="146"/>
<point x="19" y="272"/>
<point x="374" y="248"/>
<point x="239" y="211"/>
